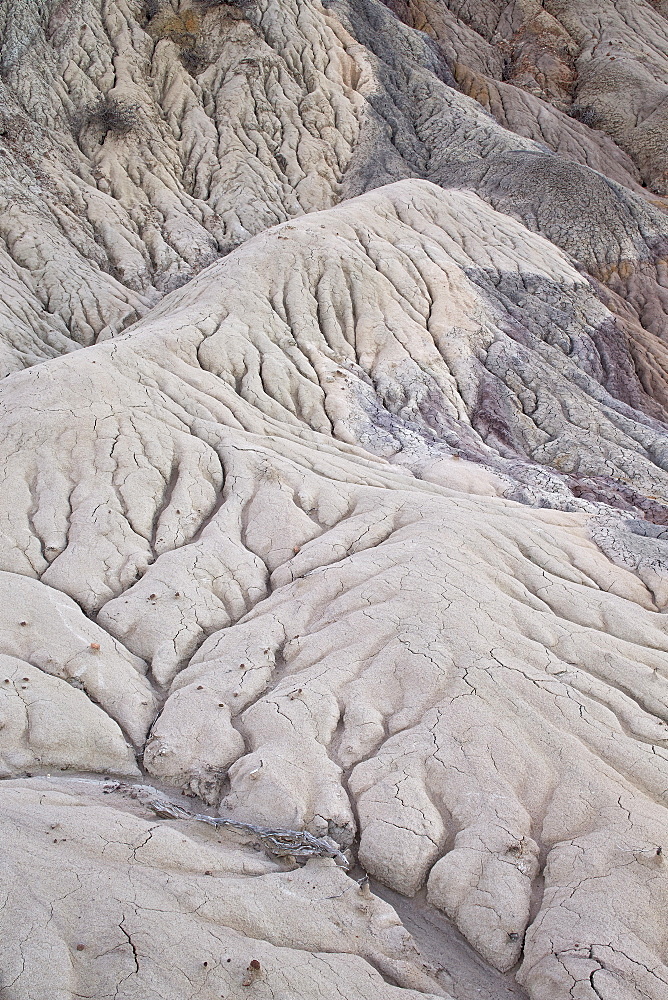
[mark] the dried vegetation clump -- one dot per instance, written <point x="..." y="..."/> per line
<point x="111" y="114"/>
<point x="586" y="115"/>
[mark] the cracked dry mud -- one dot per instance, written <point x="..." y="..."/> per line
<point x="334" y="517"/>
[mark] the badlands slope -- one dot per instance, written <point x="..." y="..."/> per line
<point x="335" y="499"/>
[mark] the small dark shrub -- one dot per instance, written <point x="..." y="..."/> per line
<point x="110" y="114"/>
<point x="209" y="4"/>
<point x="585" y="114"/>
<point x="192" y="61"/>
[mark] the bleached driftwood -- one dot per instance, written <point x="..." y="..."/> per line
<point x="298" y="844"/>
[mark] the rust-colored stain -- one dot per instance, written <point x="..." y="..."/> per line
<point x="179" y="28"/>
<point x="623" y="269"/>
<point x="472" y="84"/>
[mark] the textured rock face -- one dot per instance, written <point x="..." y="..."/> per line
<point x="335" y="493"/>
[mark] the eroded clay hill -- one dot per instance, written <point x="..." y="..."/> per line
<point x="335" y="500"/>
